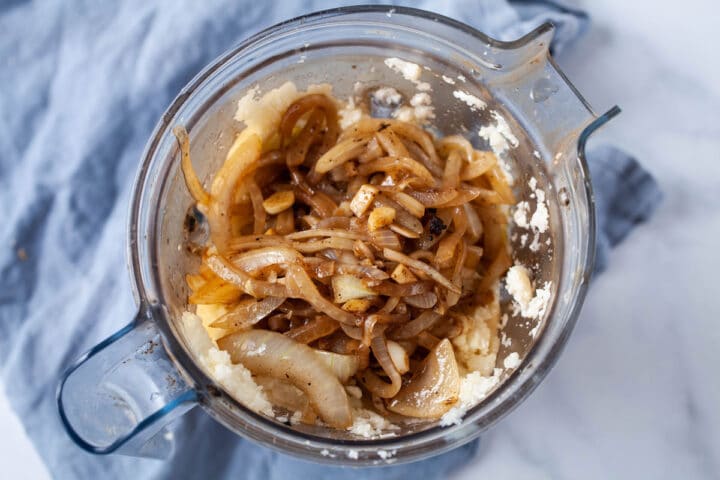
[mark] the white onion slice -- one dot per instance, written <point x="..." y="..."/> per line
<point x="268" y="353"/>
<point x="399" y="356"/>
<point x="435" y="387"/>
<point x="343" y="366"/>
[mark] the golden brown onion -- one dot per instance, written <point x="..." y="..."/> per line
<point x="247" y="313"/>
<point x="394" y="256"/>
<point x="318" y="327"/>
<point x="414" y="327"/>
<point x="249" y="285"/>
<point x="300" y="285"/>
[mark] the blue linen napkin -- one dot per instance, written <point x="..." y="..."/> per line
<point x="83" y="85"/>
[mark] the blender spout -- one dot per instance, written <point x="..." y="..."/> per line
<point x="529" y="83"/>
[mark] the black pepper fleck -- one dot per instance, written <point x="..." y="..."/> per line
<point x="436" y="226"/>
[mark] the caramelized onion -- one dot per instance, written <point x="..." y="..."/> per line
<point x="464" y="195"/>
<point x="403" y="290"/>
<point x="352" y="331"/>
<point x="191" y="180"/>
<point x="424" y="300"/>
<point x="216" y="290"/>
<point x="451" y="175"/>
<point x="402" y="217"/>
<point x="434" y="388"/>
<point x="240" y="162"/>
<point x="319" y="201"/>
<point x="433" y="198"/>
<point x="480" y="164"/>
<point x="447" y="246"/>
<point x="498" y="182"/>
<point x="257" y="203"/>
<point x="413" y="206"/>
<point x="397" y="164"/>
<point x="399" y="236"/>
<point x="414" y="327"/>
<point x="318" y="327"/>
<point x="391" y="143"/>
<point x="247" y="313"/>
<point x="341" y="153"/>
<point x="249" y="285"/>
<point x="324" y="244"/>
<point x="456" y="143"/>
<point x="297" y="150"/>
<point x="390" y="305"/>
<point x="383" y="238"/>
<point x="333" y="222"/>
<point x="427" y="340"/>
<point x="372" y="381"/>
<point x="285" y="222"/>
<point x="268" y="353"/>
<point x="321" y="268"/>
<point x="325" y="232"/>
<point x="474" y="224"/>
<point x="372" y="273"/>
<point x="255" y="260"/>
<point x="248" y="242"/>
<point x="399" y="356"/>
<point x="300" y="285"/>
<point x="394" y="256"/>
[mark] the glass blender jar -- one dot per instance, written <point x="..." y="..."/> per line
<point x="122" y="395"/>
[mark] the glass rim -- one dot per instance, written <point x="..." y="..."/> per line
<point x="176" y="349"/>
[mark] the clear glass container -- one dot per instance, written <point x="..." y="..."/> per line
<point x="120" y="396"/>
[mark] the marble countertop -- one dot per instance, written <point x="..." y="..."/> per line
<point x="636" y="392"/>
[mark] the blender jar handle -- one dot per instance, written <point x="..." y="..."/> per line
<point x="122" y="394"/>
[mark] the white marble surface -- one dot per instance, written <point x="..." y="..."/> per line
<point x="637" y="392"/>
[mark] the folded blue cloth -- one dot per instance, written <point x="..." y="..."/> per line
<point x="83" y="85"/>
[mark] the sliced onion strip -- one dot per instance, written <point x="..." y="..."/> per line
<point x="414" y="327"/>
<point x="423" y="267"/>
<point x="372" y="381"/>
<point x="318" y="327"/>
<point x="247" y="313"/>
<point x="300" y="285"/>
<point x="192" y="181"/>
<point x="249" y="285"/>
<point x="269" y="353"/>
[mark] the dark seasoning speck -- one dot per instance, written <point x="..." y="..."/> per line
<point x="432" y="222"/>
